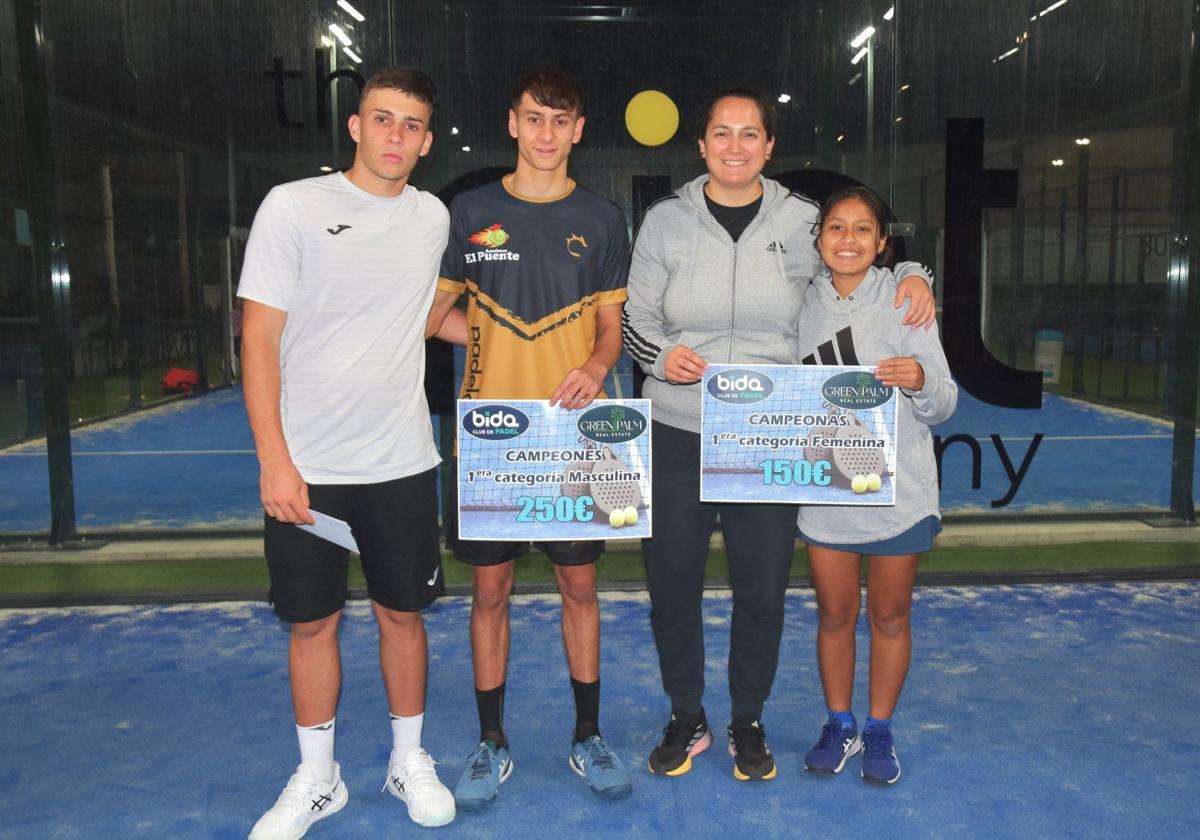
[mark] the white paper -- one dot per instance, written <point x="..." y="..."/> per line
<point x="334" y="530"/>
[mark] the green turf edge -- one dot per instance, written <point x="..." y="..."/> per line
<point x="250" y="576"/>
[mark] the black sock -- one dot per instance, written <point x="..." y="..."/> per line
<point x="491" y="715"/>
<point x="587" y="708"/>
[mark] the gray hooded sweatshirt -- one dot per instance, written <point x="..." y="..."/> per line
<point x="731" y="302"/>
<point x="864" y="328"/>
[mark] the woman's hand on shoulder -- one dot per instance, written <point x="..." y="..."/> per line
<point x="922" y="308"/>
<point x="901" y="372"/>
<point x="683" y="365"/>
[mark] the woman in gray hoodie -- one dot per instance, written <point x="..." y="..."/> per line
<point x="719" y="272"/>
<point x="852" y="301"/>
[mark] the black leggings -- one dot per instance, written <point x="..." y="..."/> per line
<point x="759" y="542"/>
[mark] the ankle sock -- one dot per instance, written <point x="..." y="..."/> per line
<point x="491" y="715"/>
<point x="587" y="708"/>
<point x="884" y="723"/>
<point x="846" y="719"/>
<point x="316" y="748"/>
<point x="406" y="732"/>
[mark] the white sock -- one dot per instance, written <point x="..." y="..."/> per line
<point x="406" y="733"/>
<point x="316" y="749"/>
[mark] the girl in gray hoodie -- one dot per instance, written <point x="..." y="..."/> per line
<point x="850" y="306"/>
<point x="719" y="273"/>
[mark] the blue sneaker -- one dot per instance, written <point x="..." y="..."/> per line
<point x="593" y="759"/>
<point x="879" y="762"/>
<point x="833" y="748"/>
<point x="487" y="768"/>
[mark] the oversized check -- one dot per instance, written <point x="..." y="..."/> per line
<point x="812" y="434"/>
<point x="529" y="471"/>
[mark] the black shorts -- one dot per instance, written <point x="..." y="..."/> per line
<point x="395" y="526"/>
<point x="493" y="553"/>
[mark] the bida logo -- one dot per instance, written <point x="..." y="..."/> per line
<point x="740" y="385"/>
<point x="495" y="422"/>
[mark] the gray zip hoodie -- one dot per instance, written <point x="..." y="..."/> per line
<point x="865" y="326"/>
<point x="731" y="302"/>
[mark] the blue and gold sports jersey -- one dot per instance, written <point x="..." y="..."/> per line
<point x="534" y="272"/>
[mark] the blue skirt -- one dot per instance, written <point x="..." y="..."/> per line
<point x="916" y="540"/>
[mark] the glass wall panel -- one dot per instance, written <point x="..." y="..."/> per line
<point x="171" y="120"/>
<point x="22" y="401"/>
<point x="1082" y="100"/>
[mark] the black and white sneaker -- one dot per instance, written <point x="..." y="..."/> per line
<point x="682" y="739"/>
<point x="304" y="801"/>
<point x="752" y="759"/>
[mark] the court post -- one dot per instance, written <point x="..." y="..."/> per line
<point x="51" y="275"/>
<point x="1183" y="273"/>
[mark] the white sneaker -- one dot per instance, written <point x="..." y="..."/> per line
<point x="413" y="780"/>
<point x="304" y="801"/>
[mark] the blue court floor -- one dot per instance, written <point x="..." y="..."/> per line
<point x="1030" y="712"/>
<point x="191" y="463"/>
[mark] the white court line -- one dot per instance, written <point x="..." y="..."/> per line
<point x="1095" y="437"/>
<point x="78" y="454"/>
<point x="169" y="452"/>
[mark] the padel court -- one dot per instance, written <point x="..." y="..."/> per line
<point x="1048" y="711"/>
<point x="191" y="464"/>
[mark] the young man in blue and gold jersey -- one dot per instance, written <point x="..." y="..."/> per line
<point x="543" y="263"/>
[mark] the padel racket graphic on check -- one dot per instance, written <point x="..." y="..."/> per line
<point x="848" y="462"/>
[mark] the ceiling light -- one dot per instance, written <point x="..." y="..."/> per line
<point x="890" y="13"/>
<point x="1056" y="162"/>
<point x="858" y="56"/>
<point x="352" y="55"/>
<point x="861" y="37"/>
<point x="350" y="10"/>
<point x="326" y="168"/>
<point x="1082" y="141"/>
<point x="340" y="34"/>
<point x="1051" y="8"/>
<point x="466" y="148"/>
<point x="326" y="41"/>
<point x="785" y="98"/>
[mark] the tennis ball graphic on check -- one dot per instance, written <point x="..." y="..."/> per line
<point x="859" y="484"/>
<point x="614" y="489"/>
<point x="874" y="482"/>
<point x="631" y="516"/>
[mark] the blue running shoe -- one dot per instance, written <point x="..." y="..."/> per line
<point x="593" y="759"/>
<point x="879" y="762"/>
<point x="833" y="748"/>
<point x="487" y="768"/>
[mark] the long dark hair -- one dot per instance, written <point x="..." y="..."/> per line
<point x="875" y="204"/>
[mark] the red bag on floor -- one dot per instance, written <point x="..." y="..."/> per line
<point x="180" y="381"/>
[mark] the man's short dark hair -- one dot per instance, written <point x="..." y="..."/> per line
<point x="550" y="89"/>
<point x="408" y="80"/>
<point x="765" y="109"/>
